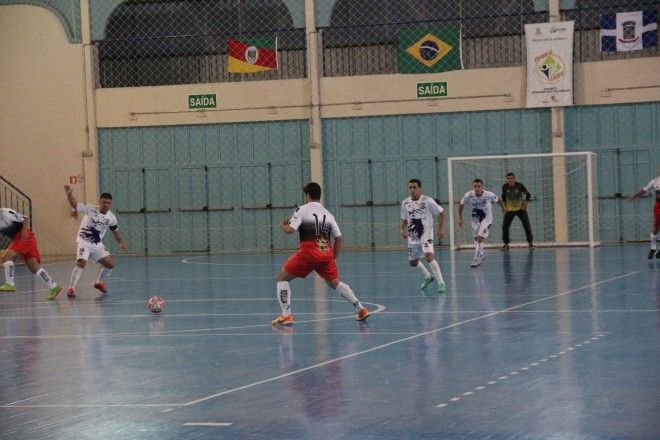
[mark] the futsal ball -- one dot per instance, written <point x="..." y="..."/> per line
<point x="156" y="304"/>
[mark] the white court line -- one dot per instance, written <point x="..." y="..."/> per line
<point x="95" y="405"/>
<point x="207" y="424"/>
<point x="398" y="341"/>
<point x="179" y="333"/>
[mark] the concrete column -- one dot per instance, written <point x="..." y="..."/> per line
<point x="314" y="80"/>
<point x="89" y="156"/>
<point x="559" y="164"/>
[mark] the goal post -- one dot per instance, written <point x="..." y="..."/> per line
<point x="563" y="209"/>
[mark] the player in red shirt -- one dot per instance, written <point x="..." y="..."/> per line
<point x="316" y="226"/>
<point x="24" y="243"/>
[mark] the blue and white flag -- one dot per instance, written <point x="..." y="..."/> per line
<point x="626" y="31"/>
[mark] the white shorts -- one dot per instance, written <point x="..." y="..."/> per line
<point x="481" y="229"/>
<point x="417" y="250"/>
<point x="93" y="251"/>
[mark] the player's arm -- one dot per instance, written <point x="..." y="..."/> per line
<point x="119" y="239"/>
<point x="441" y="225"/>
<point x="503" y="198"/>
<point x="25" y="228"/>
<point x="284" y="226"/>
<point x="502" y="205"/>
<point x="69" y="196"/>
<point x="528" y="196"/>
<point x="639" y="193"/>
<point x="337" y="246"/>
<point x="403" y="228"/>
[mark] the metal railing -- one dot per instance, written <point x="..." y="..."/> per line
<point x="14" y="198"/>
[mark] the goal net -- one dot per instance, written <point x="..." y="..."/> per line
<point x="563" y="205"/>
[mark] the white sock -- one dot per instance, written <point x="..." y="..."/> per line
<point x="654" y="241"/>
<point x="476" y="249"/>
<point x="345" y="290"/>
<point x="437" y="273"/>
<point x="47" y="279"/>
<point x="425" y="272"/>
<point x="480" y="246"/>
<point x="75" y="276"/>
<point x="284" y="297"/>
<point x="105" y="272"/>
<point x="9" y="272"/>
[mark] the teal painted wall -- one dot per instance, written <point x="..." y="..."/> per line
<point x="368" y="161"/>
<point x="627" y="141"/>
<point x="221" y="187"/>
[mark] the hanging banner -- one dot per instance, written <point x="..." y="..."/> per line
<point x="549" y="64"/>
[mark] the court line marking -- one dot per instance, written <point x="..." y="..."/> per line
<point x="525" y="368"/>
<point x="438" y="312"/>
<point x="207" y="424"/>
<point x="185" y="332"/>
<point x="379" y="347"/>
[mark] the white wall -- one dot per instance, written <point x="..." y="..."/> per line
<point x="42" y="118"/>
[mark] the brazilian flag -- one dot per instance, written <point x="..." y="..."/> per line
<point x="430" y="50"/>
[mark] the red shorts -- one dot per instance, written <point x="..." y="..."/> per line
<point x="27" y="248"/>
<point x="656" y="215"/>
<point x="309" y="258"/>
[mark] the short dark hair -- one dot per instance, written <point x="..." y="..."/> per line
<point x="313" y="190"/>
<point x="417" y="181"/>
<point x="106" y="196"/>
<point x="478" y="181"/>
<point x="510" y="175"/>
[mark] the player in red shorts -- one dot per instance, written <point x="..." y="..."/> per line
<point x="24" y="243"/>
<point x="652" y="186"/>
<point x="316" y="226"/>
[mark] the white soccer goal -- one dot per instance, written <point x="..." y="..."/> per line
<point x="563" y="210"/>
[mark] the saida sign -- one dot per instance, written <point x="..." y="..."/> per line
<point x="432" y="89"/>
<point x="196" y="102"/>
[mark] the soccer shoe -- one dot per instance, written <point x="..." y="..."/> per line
<point x="442" y="287"/>
<point x="71" y="293"/>
<point x="7" y="288"/>
<point x="475" y="262"/>
<point x="54" y="291"/>
<point x="505" y="247"/>
<point x="532" y="247"/>
<point x="362" y="314"/>
<point x="426" y="282"/>
<point x="282" y="320"/>
<point x="100" y="286"/>
<point x="650" y="257"/>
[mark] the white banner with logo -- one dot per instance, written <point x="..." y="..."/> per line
<point x="549" y="64"/>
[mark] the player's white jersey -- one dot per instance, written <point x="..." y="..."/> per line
<point x="313" y="222"/>
<point x="95" y="224"/>
<point x="419" y="216"/>
<point x="481" y="206"/>
<point x="10" y="221"/>
<point x="653" y="186"/>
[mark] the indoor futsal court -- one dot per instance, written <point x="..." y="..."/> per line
<point x="557" y="343"/>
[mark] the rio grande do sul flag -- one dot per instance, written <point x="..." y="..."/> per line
<point x="626" y="31"/>
<point x="255" y="55"/>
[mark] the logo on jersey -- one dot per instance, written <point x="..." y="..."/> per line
<point x="415" y="228"/>
<point x="322" y="243"/>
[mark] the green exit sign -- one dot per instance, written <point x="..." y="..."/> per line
<point x="196" y="102"/>
<point x="431" y="90"/>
